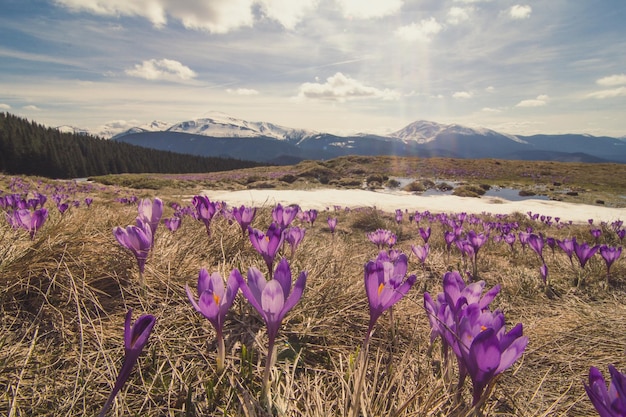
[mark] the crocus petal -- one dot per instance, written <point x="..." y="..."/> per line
<point x="598" y="393"/>
<point x="210" y="309"/>
<point x="489" y="297"/>
<point x="192" y="299"/>
<point x="512" y="353"/>
<point x="232" y="287"/>
<point x="398" y="292"/>
<point x="282" y="274"/>
<point x="272" y="302"/>
<point x="253" y="289"/>
<point x="204" y="281"/>
<point x="296" y="293"/>
<point x="136" y="337"/>
<point x="374" y="276"/>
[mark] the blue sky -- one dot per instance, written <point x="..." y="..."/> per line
<point x="342" y="66"/>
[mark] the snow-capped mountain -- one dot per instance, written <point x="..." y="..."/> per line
<point x="72" y="129"/>
<point x="218" y="134"/>
<point x="221" y="125"/>
<point x="423" y="131"/>
<point x="154" y="126"/>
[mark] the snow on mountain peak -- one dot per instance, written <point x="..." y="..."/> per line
<point x="423" y="131"/>
<point x="218" y="124"/>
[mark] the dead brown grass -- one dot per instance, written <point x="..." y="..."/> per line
<point x="64" y="295"/>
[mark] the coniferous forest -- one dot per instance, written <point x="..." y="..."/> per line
<point x="28" y="148"/>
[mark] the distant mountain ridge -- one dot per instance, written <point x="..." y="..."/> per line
<point x="221" y="135"/>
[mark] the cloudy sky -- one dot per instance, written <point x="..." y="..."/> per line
<point x="342" y="66"/>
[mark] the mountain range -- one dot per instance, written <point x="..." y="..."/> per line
<point x="221" y="135"/>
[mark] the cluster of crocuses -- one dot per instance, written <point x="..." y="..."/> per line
<point x="25" y="213"/>
<point x="271" y="298"/>
<point x="509" y="232"/>
<point x="461" y="317"/>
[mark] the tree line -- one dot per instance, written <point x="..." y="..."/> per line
<point x="29" y="148"/>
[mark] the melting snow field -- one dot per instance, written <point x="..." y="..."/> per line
<point x="321" y="199"/>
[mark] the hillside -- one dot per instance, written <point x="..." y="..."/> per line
<point x="222" y="135"/>
<point x="32" y="149"/>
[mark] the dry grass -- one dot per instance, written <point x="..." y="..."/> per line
<point x="63" y="297"/>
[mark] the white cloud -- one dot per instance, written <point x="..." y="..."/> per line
<point x="423" y="31"/>
<point x="490" y="110"/>
<point x="541" y="100"/>
<point x="616" y="92"/>
<point x="611" y="80"/>
<point x="243" y="91"/>
<point x="4" y="106"/>
<point x="520" y="11"/>
<point x="359" y="9"/>
<point x="288" y="12"/>
<point x="457" y="15"/>
<point x="216" y="16"/>
<point x="31" y="107"/>
<point x="462" y="95"/>
<point x="471" y="1"/>
<point x="490" y="89"/>
<point x="162" y="69"/>
<point x="340" y="87"/>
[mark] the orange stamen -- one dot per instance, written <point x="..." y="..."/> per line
<point x="380" y="288"/>
<point x="216" y="298"/>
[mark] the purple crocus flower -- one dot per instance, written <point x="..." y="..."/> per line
<point x="214" y="300"/>
<point x="596" y="233"/>
<point x="88" y="201"/>
<point x="244" y="216"/>
<point x="476" y="240"/>
<point x="382" y="237"/>
<point x="310" y="216"/>
<point x="268" y="243"/>
<point x="150" y="213"/>
<point x="31" y="221"/>
<point x="62" y="207"/>
<point x="449" y="237"/>
<point x="421" y="252"/>
<point x="135" y="338"/>
<point x="523" y="239"/>
<point x="425" y="233"/>
<point x="283" y="216"/>
<point x="457" y="293"/>
<point x="205" y="210"/>
<point x="584" y="252"/>
<point x="536" y="244"/>
<point x="383" y="288"/>
<point x="294" y="236"/>
<point x="138" y="239"/>
<point x="272" y="300"/>
<point x="398" y="216"/>
<point x="610" y="254"/>
<point x="332" y="224"/>
<point x="172" y="223"/>
<point x="510" y="239"/>
<point x="609" y="402"/>
<point x="567" y="246"/>
<point x="491" y="352"/>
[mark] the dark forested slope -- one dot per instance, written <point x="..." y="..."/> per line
<point x="29" y="148"/>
